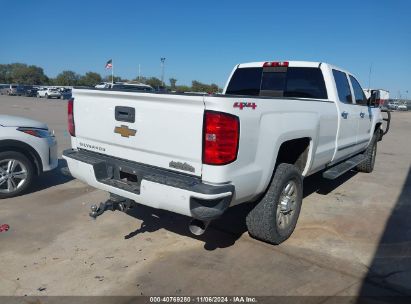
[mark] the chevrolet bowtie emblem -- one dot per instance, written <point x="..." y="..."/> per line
<point x="124" y="131"/>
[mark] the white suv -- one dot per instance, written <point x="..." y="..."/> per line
<point x="27" y="149"/>
<point x="48" y="93"/>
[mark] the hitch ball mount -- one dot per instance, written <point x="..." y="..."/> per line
<point x="113" y="203"/>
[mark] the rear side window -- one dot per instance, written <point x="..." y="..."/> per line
<point x="245" y="81"/>
<point x="358" y="92"/>
<point x="294" y="82"/>
<point x="343" y="88"/>
<point x="278" y="82"/>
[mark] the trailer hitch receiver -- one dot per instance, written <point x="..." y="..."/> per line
<point x="113" y="203"/>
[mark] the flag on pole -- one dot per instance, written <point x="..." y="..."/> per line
<point x="109" y="64"/>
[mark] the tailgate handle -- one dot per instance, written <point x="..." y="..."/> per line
<point x="127" y="114"/>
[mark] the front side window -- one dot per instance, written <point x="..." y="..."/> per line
<point x="343" y="88"/>
<point x="358" y="92"/>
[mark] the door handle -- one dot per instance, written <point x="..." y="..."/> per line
<point x="362" y="114"/>
<point x="126" y="114"/>
<point x="344" y="115"/>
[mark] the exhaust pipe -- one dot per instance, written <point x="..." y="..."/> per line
<point x="198" y="227"/>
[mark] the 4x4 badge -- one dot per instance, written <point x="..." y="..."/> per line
<point x="125" y="131"/>
<point x="242" y="105"/>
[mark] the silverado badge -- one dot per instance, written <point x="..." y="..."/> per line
<point x="125" y="131"/>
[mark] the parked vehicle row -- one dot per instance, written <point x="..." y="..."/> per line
<point x="397" y="106"/>
<point x="402" y="107"/>
<point x="35" y="91"/>
<point x="12" y="90"/>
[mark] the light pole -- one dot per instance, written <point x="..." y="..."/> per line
<point x="162" y="59"/>
<point x="139" y="72"/>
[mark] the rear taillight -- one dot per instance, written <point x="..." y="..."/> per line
<point x="220" y="138"/>
<point x="275" y="64"/>
<point x="70" y="112"/>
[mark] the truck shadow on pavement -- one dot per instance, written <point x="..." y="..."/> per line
<point x="216" y="236"/>
<point x="390" y="270"/>
<point x="316" y="183"/>
<point x="50" y="179"/>
<point x="225" y="231"/>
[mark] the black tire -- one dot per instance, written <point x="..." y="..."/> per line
<point x="28" y="166"/>
<point x="264" y="221"/>
<point x="368" y="165"/>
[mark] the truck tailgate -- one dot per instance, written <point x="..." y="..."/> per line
<point x="162" y="130"/>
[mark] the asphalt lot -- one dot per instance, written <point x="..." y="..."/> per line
<point x="353" y="236"/>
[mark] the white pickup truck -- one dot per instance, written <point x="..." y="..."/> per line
<point x="275" y="123"/>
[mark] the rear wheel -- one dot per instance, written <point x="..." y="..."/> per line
<point x="274" y="218"/>
<point x="368" y="165"/>
<point x="16" y="173"/>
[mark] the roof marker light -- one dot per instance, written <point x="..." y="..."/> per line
<point x="271" y="64"/>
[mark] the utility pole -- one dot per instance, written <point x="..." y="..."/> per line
<point x="139" y="72"/>
<point x="162" y="59"/>
<point x="112" y="74"/>
<point x="369" y="78"/>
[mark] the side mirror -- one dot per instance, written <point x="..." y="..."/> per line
<point x="373" y="101"/>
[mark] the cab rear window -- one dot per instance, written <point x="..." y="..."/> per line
<point x="278" y="82"/>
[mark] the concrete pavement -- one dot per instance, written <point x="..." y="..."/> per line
<point x="353" y="236"/>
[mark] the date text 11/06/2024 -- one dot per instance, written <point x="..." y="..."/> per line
<point x="199" y="299"/>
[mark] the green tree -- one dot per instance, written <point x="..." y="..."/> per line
<point x="115" y="79"/>
<point x="214" y="88"/>
<point x="67" y="78"/>
<point x="183" y="88"/>
<point x="5" y="73"/>
<point x="140" y="79"/>
<point x="154" y="82"/>
<point x="29" y="75"/>
<point x="197" y="86"/>
<point x="90" y="79"/>
<point x="22" y="74"/>
<point x="173" y="82"/>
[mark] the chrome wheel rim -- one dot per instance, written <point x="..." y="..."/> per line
<point x="13" y="175"/>
<point x="286" y="205"/>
